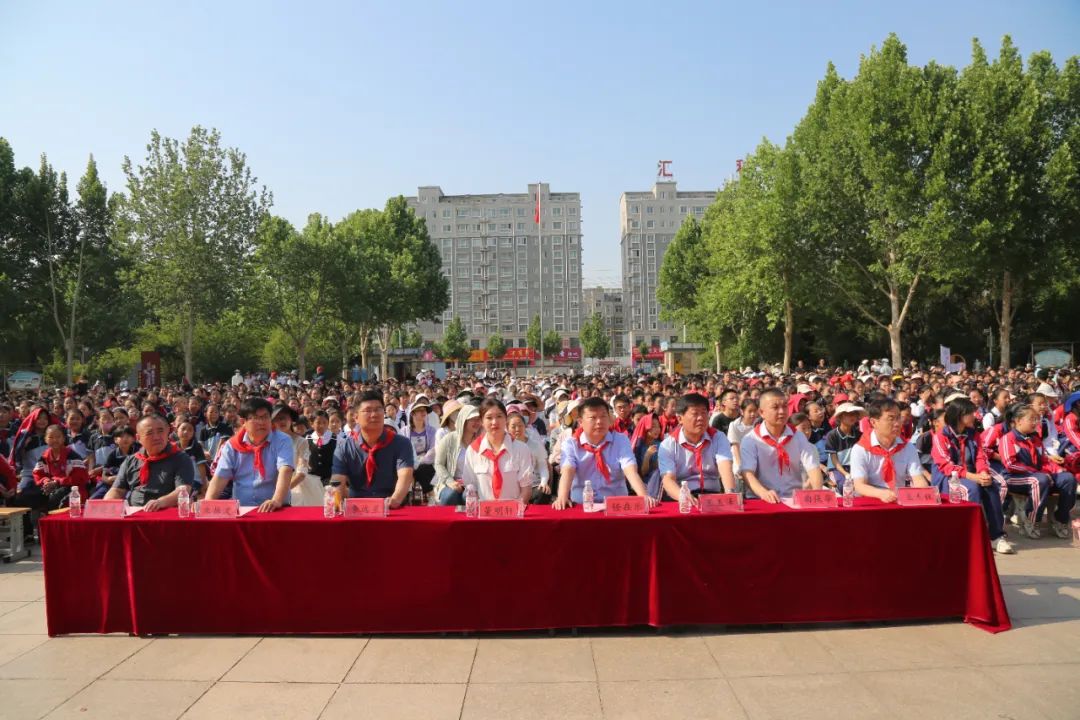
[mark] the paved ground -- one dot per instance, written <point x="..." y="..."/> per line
<point x="946" y="670"/>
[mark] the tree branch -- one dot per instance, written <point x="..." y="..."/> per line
<point x="858" y="305"/>
<point x="910" y="294"/>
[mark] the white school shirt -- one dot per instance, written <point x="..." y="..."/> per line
<point x="760" y="459"/>
<point x="674" y="458"/>
<point x="866" y="465"/>
<point x="516" y="465"/>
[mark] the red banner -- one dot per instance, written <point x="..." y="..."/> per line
<point x="150" y="370"/>
<point x="568" y="354"/>
<point x="519" y="353"/>
<point x="655" y="353"/>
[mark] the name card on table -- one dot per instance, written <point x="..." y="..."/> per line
<point x="367" y="507"/>
<point x="501" y="509"/>
<point x="624" y="505"/>
<point x="915" y="496"/>
<point x="804" y="499"/>
<point x="217" y="509"/>
<point x="726" y="502"/>
<point x="105" y="509"/>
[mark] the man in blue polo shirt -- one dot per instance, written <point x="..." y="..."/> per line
<point x="374" y="461"/>
<point x="695" y="452"/>
<point x="598" y="455"/>
<point x="258" y="460"/>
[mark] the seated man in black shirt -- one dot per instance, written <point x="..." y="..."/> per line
<point x="155" y="473"/>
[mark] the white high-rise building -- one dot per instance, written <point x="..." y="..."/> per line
<point x="648" y="222"/>
<point x="501" y="273"/>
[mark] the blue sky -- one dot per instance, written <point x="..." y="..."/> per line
<point x="339" y="105"/>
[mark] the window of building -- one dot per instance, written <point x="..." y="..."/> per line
<point x="635" y="224"/>
<point x="635" y="209"/>
<point x="463" y="212"/>
<point x="521" y="212"/>
<point x="447" y="228"/>
<point x="682" y="209"/>
<point x="573" y="211"/>
<point x="556" y="225"/>
<point x="504" y="212"/>
<point x="446" y="212"/>
<point x="650" y="224"/>
<point x="556" y="211"/>
<point x="559" y="327"/>
<point x="522" y="342"/>
<point x="474" y="344"/>
<point x="648" y="209"/>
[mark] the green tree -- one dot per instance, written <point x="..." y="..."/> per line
<point x="190" y="219"/>
<point x="455" y="342"/>
<point x="595" y="341"/>
<point x="394" y="272"/>
<point x="552" y="343"/>
<point x="532" y="334"/>
<point x="294" y="278"/>
<point x="496" y="346"/>
<point x="1011" y="117"/>
<point x="643" y="348"/>
<point x="879" y="154"/>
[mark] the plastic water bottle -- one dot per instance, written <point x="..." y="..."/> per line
<point x="954" y="488"/>
<point x="329" y="502"/>
<point x="472" y="502"/>
<point x="685" y="503"/>
<point x="849" y="491"/>
<point x="183" y="502"/>
<point x="588" y="497"/>
<point x="75" y="502"/>
<point x="417" y="494"/>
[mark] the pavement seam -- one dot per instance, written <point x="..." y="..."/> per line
<point x="213" y="683"/>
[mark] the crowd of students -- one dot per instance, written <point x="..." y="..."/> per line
<point x="1011" y="438"/>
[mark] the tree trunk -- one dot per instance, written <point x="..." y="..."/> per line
<point x="345" y="358"/>
<point x="365" y="344"/>
<point x="384" y="347"/>
<point x="895" y="348"/>
<point x="301" y="358"/>
<point x="70" y="343"/>
<point x="789" y="334"/>
<point x="188" y="342"/>
<point x="1005" y="326"/>
<point x="716" y="350"/>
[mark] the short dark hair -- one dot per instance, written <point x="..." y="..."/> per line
<point x="690" y="400"/>
<point x="882" y="405"/>
<point x="123" y="430"/>
<point x="956" y="410"/>
<point x="489" y="403"/>
<point x="593" y="403"/>
<point x="283" y="409"/>
<point x="370" y="396"/>
<point x="253" y="404"/>
<point x="621" y="397"/>
<point x="768" y="392"/>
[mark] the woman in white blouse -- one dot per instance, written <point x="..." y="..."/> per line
<point x="497" y="465"/>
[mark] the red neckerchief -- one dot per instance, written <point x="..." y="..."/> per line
<point x="239" y="443"/>
<point x="620" y="425"/>
<point x="888" y="470"/>
<point x="370" y="466"/>
<point x="783" y="460"/>
<point x="496" y="472"/>
<point x="699" y="451"/>
<point x="55" y="462"/>
<point x="144" y="469"/>
<point x="1034" y="448"/>
<point x="598" y="454"/>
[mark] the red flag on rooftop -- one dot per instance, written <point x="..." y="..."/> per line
<point x="536" y="215"/>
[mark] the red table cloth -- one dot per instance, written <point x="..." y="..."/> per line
<point x="430" y="569"/>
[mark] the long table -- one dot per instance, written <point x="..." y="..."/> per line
<point x="430" y="569"/>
